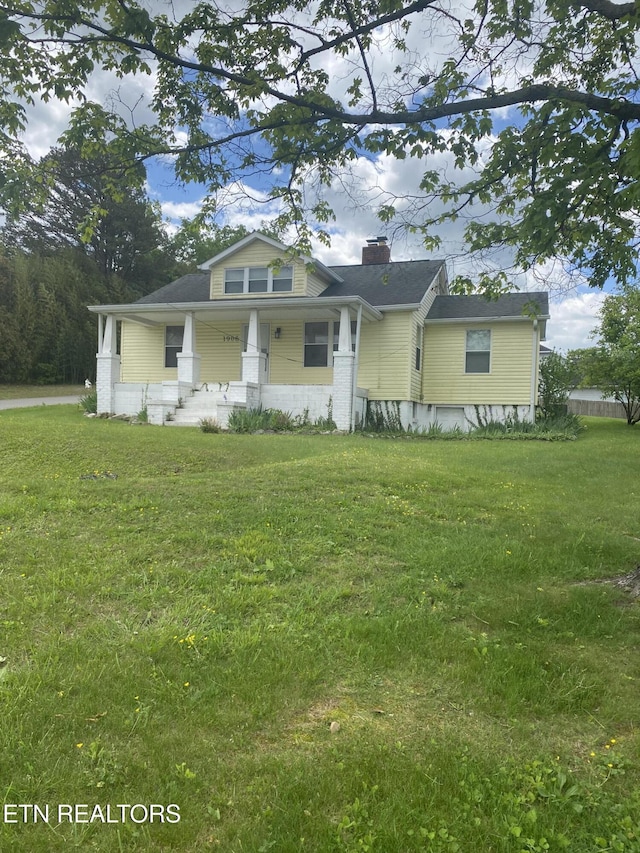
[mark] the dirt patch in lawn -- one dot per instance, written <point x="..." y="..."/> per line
<point x="629" y="583"/>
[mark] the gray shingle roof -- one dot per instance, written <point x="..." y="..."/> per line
<point x="396" y="283"/>
<point x="189" y="288"/>
<point x="477" y="307"/>
<point x="401" y="283"/>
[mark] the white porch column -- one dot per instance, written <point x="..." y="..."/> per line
<point x="107" y="367"/>
<point x="356" y="363"/>
<point x="253" y="360"/>
<point x="188" y="359"/>
<point x="343" y="370"/>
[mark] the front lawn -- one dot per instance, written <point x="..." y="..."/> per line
<point x="19" y="392"/>
<point x="316" y="643"/>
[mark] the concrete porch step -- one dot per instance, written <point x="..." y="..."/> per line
<point x="204" y="403"/>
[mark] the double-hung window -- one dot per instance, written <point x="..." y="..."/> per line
<point x="316" y="344"/>
<point x="478" y="351"/>
<point x="258" y="280"/>
<point x="321" y="340"/>
<point x="172" y="345"/>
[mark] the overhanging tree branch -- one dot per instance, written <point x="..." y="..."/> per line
<point x="250" y="90"/>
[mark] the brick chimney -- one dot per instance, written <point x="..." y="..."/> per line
<point x="376" y="251"/>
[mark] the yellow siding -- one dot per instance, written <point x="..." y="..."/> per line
<point x="220" y="347"/>
<point x="256" y="254"/>
<point x="287" y="359"/>
<point x="385" y="356"/>
<point x="415" y="379"/>
<point x="508" y="383"/>
<point x="315" y="284"/>
<point x="142" y="354"/>
<point x="142" y="350"/>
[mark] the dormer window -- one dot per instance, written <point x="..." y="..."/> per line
<point x="258" y="280"/>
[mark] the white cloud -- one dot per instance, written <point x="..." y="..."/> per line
<point x="174" y="211"/>
<point x="573" y="319"/>
<point x="354" y="199"/>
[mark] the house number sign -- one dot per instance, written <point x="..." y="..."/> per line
<point x="229" y="338"/>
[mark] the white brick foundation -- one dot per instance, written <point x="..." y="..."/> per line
<point x="343" y="364"/>
<point x="107" y="374"/>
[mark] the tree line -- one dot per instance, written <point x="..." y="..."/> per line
<point x="612" y="365"/>
<point x="533" y="109"/>
<point x="92" y="238"/>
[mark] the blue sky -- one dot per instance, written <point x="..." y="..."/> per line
<point x="573" y="312"/>
<point x="354" y="200"/>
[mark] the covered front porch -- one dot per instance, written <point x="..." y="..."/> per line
<point x="183" y="363"/>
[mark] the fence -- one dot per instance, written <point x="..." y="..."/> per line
<point x="596" y="408"/>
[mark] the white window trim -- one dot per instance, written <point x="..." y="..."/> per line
<point x="467" y="351"/>
<point x="419" y="347"/>
<point x="245" y="281"/>
<point x="332" y="342"/>
<point x="172" y="347"/>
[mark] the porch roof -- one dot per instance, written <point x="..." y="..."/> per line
<point x="290" y="307"/>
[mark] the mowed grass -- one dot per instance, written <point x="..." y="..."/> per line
<point x="17" y="392"/>
<point x="184" y="616"/>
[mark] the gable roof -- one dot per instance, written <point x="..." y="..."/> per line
<point x="395" y="283"/>
<point x="274" y="244"/>
<point x="510" y="305"/>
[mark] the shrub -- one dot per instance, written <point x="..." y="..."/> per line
<point x="279" y="421"/>
<point x="552" y="427"/>
<point x="326" y="423"/>
<point x="89" y="403"/>
<point x="246" y="420"/>
<point x="557" y="380"/>
<point x="383" y="416"/>
<point x="436" y="430"/>
<point x="210" y="425"/>
<point x="251" y="420"/>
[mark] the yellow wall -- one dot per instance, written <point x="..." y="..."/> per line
<point x="444" y="377"/>
<point x="385" y="356"/>
<point x="385" y="361"/>
<point x="315" y="284"/>
<point x="220" y="347"/>
<point x="258" y="254"/>
<point x="415" y="376"/>
<point x="142" y="354"/>
<point x="287" y="358"/>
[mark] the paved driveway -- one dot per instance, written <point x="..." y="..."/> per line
<point x="38" y="401"/>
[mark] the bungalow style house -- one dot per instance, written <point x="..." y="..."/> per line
<point x="256" y="327"/>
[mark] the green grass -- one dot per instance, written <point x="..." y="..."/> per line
<point x="183" y="616"/>
<point x="18" y="392"/>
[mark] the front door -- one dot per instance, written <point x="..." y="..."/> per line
<point x="265" y="333"/>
